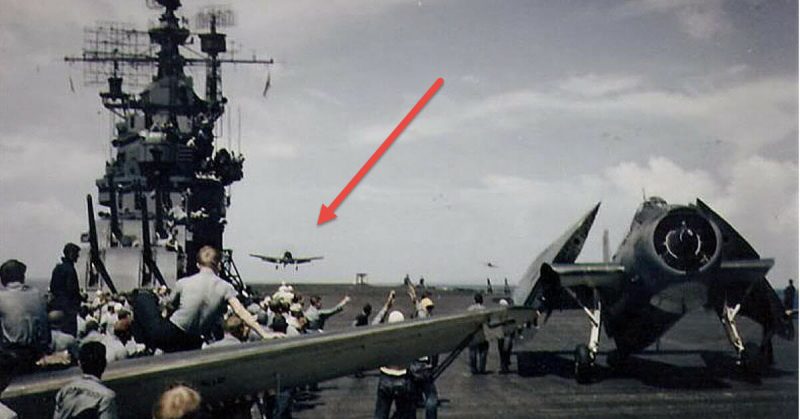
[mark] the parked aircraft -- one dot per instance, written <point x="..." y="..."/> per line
<point x="675" y="258"/>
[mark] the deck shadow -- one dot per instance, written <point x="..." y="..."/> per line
<point x="718" y="366"/>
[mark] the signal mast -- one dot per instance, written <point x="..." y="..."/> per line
<point x="167" y="166"/>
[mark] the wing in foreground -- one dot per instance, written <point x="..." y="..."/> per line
<point x="227" y="373"/>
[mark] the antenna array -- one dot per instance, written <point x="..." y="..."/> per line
<point x="115" y="49"/>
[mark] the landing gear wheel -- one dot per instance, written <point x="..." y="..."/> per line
<point x="584" y="364"/>
<point x="752" y="359"/>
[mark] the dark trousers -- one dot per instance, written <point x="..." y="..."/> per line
<point x="431" y="397"/>
<point x="19" y="360"/>
<point x="70" y="325"/>
<point x="398" y="390"/>
<point x="477" y="357"/>
<point x="154" y="331"/>
<point x="504" y="346"/>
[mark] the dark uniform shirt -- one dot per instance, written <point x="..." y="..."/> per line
<point x="362" y="319"/>
<point x="788" y="297"/>
<point x="64" y="287"/>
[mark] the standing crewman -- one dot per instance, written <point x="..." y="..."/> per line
<point x="395" y="387"/>
<point x="362" y="319"/>
<point x="421" y="370"/>
<point x="505" y="345"/>
<point x="317" y="316"/>
<point x="477" y="353"/>
<point x="788" y="297"/>
<point x="65" y="290"/>
<point x="24" y="332"/>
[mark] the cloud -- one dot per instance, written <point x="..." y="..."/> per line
<point x="758" y="196"/>
<point x="765" y="187"/>
<point x="749" y="115"/>
<point x="700" y="19"/>
<point x="593" y="85"/>
<point x="469" y="79"/>
<point x="660" y="176"/>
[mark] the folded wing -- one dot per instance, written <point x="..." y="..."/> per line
<point x="741" y="279"/>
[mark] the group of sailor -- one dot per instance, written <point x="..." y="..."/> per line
<point x="69" y="328"/>
<point x="201" y="311"/>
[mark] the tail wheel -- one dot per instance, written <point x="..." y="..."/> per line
<point x="584" y="364"/>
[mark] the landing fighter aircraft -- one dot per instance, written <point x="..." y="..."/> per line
<point x="675" y="258"/>
<point x="286" y="259"/>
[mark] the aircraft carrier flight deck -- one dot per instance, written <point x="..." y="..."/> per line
<point x="690" y="375"/>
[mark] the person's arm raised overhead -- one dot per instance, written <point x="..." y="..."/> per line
<point x="248" y="318"/>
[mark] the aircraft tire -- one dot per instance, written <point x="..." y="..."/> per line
<point x="583" y="364"/>
<point x="753" y="361"/>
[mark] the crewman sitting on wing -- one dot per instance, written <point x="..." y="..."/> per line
<point x="201" y="301"/>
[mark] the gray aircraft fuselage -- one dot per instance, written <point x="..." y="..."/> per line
<point x="670" y="255"/>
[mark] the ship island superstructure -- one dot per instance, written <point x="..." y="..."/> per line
<point x="164" y="193"/>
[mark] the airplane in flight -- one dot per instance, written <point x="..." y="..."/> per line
<point x="286" y="259"/>
<point x="490" y="265"/>
<point x="675" y="258"/>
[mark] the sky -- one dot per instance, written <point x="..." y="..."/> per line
<point x="547" y="108"/>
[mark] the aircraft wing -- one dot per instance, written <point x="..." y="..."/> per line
<point x="223" y="374"/>
<point x="741" y="279"/>
<point x="268" y="259"/>
<point x="306" y="260"/>
<point x="537" y="291"/>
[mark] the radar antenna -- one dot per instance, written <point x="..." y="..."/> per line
<point x="166" y="148"/>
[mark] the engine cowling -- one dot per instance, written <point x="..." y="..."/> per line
<point x="686" y="241"/>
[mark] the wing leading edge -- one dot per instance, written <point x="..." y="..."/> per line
<point x="533" y="289"/>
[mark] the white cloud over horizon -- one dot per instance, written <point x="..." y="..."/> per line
<point x="546" y="109"/>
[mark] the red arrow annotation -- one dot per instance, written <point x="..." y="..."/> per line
<point x="328" y="213"/>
